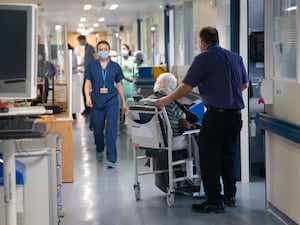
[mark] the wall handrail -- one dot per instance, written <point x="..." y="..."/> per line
<point x="280" y="127"/>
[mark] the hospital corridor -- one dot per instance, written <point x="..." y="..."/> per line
<point x="149" y="112"/>
<point x="101" y="196"/>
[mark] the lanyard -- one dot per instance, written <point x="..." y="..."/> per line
<point x="104" y="72"/>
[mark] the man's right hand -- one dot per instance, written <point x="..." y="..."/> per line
<point x="162" y="102"/>
<point x="179" y="92"/>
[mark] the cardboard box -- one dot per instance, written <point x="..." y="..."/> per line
<point x="157" y="70"/>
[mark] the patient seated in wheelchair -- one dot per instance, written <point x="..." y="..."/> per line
<point x="164" y="85"/>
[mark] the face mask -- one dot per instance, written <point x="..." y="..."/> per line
<point x="124" y="53"/>
<point x="103" y="54"/>
<point x="81" y="43"/>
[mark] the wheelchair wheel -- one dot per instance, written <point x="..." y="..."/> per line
<point x="137" y="191"/>
<point x="121" y="123"/>
<point x="171" y="198"/>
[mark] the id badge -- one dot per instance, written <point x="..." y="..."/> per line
<point x="103" y="90"/>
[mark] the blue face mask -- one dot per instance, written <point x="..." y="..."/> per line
<point x="103" y="54"/>
<point x="124" y="53"/>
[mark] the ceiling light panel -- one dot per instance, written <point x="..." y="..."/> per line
<point x="291" y="8"/>
<point x="87" y="6"/>
<point x="113" y="6"/>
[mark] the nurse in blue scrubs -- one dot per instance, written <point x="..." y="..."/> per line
<point x="102" y="87"/>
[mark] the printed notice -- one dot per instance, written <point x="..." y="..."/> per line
<point x="142" y="131"/>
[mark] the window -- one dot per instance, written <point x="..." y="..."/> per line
<point x="284" y="39"/>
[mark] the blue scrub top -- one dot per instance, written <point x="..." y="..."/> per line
<point x="107" y="78"/>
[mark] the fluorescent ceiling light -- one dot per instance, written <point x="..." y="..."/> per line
<point x="96" y="24"/>
<point x="101" y="19"/>
<point x="83" y="31"/>
<point x="80" y="25"/>
<point x="82" y="19"/>
<point x="114" y="6"/>
<point x="58" y="27"/>
<point x="291" y="8"/>
<point x="87" y="6"/>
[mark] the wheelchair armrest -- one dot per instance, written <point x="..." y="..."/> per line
<point x="194" y="131"/>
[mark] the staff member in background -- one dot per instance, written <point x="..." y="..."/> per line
<point x="127" y="63"/>
<point x="221" y="77"/>
<point x="74" y="79"/>
<point x="128" y="70"/>
<point x="89" y="56"/>
<point x="104" y="78"/>
<point x="140" y="59"/>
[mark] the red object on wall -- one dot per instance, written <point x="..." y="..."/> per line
<point x="261" y="101"/>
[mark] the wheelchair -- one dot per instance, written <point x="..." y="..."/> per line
<point x="150" y="130"/>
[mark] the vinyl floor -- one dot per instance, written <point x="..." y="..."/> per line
<point x="101" y="196"/>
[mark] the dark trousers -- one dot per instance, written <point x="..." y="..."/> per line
<point x="217" y="147"/>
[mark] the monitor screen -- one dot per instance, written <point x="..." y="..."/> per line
<point x="18" y="44"/>
<point x="257" y="46"/>
<point x="54" y="49"/>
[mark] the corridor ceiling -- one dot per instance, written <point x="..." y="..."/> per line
<point x="70" y="11"/>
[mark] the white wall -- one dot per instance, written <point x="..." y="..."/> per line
<point x="283" y="184"/>
<point x="286" y="104"/>
<point x="204" y="15"/>
<point x="282" y="155"/>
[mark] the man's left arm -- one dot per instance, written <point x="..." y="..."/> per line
<point x="245" y="79"/>
<point x="245" y="86"/>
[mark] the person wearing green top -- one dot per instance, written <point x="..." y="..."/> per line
<point x="128" y="71"/>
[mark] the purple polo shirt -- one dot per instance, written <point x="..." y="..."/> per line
<point x="219" y="75"/>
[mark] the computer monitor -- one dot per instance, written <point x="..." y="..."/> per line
<point x="18" y="51"/>
<point x="257" y="46"/>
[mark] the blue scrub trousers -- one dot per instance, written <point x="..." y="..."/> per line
<point x="106" y="117"/>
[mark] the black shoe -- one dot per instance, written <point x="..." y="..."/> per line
<point x="206" y="207"/>
<point x="229" y="201"/>
<point x="85" y="112"/>
<point x="91" y="128"/>
<point x="74" y="116"/>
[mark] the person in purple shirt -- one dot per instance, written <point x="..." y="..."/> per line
<point x="221" y="77"/>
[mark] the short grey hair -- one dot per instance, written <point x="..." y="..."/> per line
<point x="140" y="55"/>
<point x="165" y="83"/>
